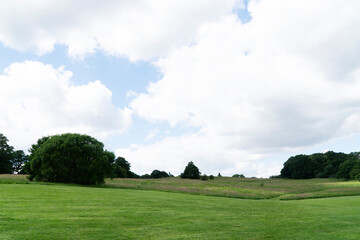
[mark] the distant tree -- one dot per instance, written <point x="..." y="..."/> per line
<point x="299" y="167"/>
<point x="191" y="171"/>
<point x="329" y="171"/>
<point x="159" y="174"/>
<point x="219" y="175"/>
<point x="109" y="169"/>
<point x="275" y="176"/>
<point x="320" y="160"/>
<point x="321" y="165"/>
<point x="121" y="169"/>
<point x="69" y="158"/>
<point x="6" y="155"/>
<point x="211" y="177"/>
<point x="345" y="168"/>
<point x="26" y="168"/>
<point x="336" y="159"/>
<point x="239" y="175"/>
<point x="18" y="161"/>
<point x="145" y="176"/>
<point x="355" y="171"/>
<point x="204" y="177"/>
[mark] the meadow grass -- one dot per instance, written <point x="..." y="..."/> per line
<point x="13" y="178"/>
<point x="56" y="211"/>
<point x="246" y="188"/>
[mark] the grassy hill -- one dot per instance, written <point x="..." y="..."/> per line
<point x="246" y="188"/>
<point x="58" y="211"/>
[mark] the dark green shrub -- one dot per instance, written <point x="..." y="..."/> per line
<point x="145" y="176"/>
<point x="204" y="177"/>
<point x="211" y="177"/>
<point x="239" y="175"/>
<point x="159" y="174"/>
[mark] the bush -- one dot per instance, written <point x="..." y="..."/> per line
<point x="145" y="176"/>
<point x="211" y="177"/>
<point x="159" y="174"/>
<point x="69" y="158"/>
<point x="204" y="177"/>
<point x="275" y="176"/>
<point x="239" y="175"/>
<point x="191" y="171"/>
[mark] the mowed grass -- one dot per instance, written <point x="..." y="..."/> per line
<point x="246" y="188"/>
<point x="55" y="211"/>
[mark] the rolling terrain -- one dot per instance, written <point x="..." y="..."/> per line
<point x="145" y="210"/>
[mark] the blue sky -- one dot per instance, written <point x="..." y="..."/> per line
<point x="227" y="84"/>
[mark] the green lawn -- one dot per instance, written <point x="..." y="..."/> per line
<point x="56" y="211"/>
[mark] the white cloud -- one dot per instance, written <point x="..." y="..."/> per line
<point x="287" y="79"/>
<point x="152" y="134"/>
<point x="139" y="30"/>
<point x="37" y="100"/>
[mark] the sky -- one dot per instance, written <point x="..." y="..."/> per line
<point x="234" y="86"/>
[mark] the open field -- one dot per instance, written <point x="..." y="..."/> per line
<point x="246" y="188"/>
<point x="56" y="211"/>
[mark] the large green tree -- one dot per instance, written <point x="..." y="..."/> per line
<point x="69" y="158"/>
<point x="6" y="155"/>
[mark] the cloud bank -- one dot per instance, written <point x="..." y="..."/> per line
<point x="38" y="100"/>
<point x="286" y="80"/>
<point x="137" y="30"/>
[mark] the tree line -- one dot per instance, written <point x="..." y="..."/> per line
<point x="73" y="158"/>
<point x="76" y="158"/>
<point x="322" y="165"/>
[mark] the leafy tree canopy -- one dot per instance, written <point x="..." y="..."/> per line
<point x="323" y="165"/>
<point x="69" y="158"/>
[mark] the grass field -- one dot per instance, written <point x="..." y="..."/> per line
<point x="57" y="211"/>
<point x="246" y="188"/>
